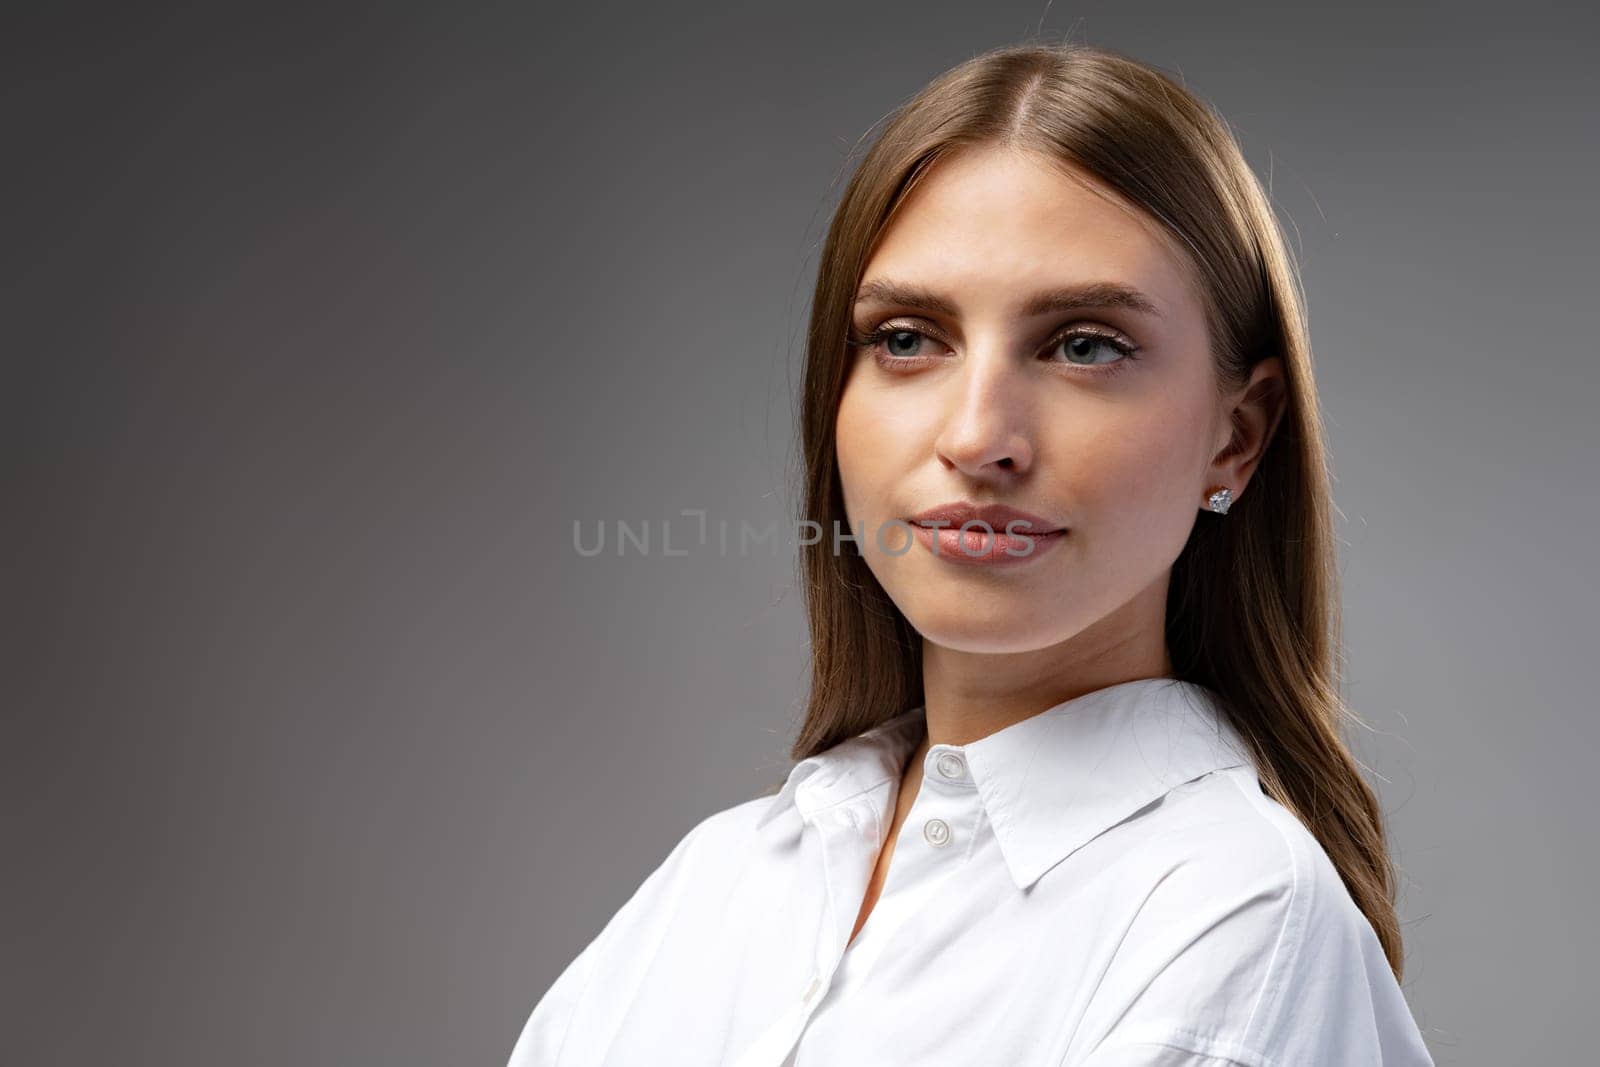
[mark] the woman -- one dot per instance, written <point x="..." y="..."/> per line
<point x="1071" y="788"/>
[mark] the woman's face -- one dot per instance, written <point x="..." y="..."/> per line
<point x="1043" y="348"/>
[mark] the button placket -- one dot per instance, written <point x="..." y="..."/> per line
<point x="846" y="829"/>
<point x="949" y="804"/>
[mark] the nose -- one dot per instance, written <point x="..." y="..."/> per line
<point x="986" y="434"/>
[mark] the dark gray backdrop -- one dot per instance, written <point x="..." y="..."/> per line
<point x="322" y="744"/>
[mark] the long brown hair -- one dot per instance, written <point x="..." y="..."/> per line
<point x="1252" y="609"/>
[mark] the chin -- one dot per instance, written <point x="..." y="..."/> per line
<point x="974" y="624"/>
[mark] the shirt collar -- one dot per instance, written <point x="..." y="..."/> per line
<point x="1054" y="781"/>
<point x="849" y="768"/>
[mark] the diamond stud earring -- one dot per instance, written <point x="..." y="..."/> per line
<point x="1220" y="500"/>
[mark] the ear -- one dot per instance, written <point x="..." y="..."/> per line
<point x="1254" y="412"/>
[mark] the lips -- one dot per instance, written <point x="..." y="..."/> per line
<point x="998" y="517"/>
<point x="953" y="533"/>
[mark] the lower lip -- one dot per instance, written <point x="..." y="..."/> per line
<point x="979" y="548"/>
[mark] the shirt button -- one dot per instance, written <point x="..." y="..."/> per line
<point x="951" y="765"/>
<point x="811" y="990"/>
<point x="844" y="817"/>
<point x="937" y="831"/>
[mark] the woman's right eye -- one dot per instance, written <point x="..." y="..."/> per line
<point x="895" y="343"/>
<point x="902" y="342"/>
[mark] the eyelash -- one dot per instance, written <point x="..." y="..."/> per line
<point x="873" y="339"/>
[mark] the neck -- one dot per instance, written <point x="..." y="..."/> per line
<point x="969" y="695"/>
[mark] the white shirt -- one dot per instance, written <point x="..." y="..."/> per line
<point x="1103" y="884"/>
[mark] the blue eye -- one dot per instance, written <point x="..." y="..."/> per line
<point x="893" y="343"/>
<point x="908" y="338"/>
<point x="1081" y="347"/>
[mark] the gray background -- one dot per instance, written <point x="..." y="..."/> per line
<point x="322" y="744"/>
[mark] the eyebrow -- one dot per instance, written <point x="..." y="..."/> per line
<point x="1043" y="302"/>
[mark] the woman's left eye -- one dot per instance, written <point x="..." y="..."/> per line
<point x="1080" y="348"/>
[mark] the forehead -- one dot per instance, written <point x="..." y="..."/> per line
<point x="1000" y="222"/>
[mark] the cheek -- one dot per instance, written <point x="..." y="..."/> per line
<point x="847" y="442"/>
<point x="871" y="440"/>
<point x="1135" y="476"/>
<point x="854" y="450"/>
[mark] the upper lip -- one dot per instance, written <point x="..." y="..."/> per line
<point x="957" y="513"/>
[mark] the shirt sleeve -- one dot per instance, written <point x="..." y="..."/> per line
<point x="614" y="956"/>
<point x="1251" y="953"/>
